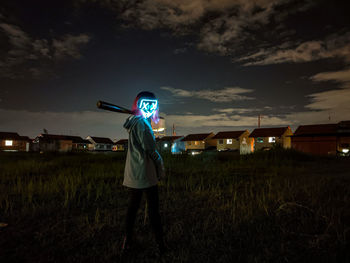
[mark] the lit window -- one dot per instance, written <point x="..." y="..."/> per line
<point x="229" y="141"/>
<point x="165" y="145"/>
<point x="260" y="140"/>
<point x="221" y="141"/>
<point x="8" y="143"/>
<point x="272" y="139"/>
<point x="345" y="150"/>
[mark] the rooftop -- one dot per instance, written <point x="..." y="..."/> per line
<point x="266" y="132"/>
<point x="196" y="137"/>
<point x="228" y="134"/>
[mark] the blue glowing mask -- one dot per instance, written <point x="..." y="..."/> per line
<point x="148" y="107"/>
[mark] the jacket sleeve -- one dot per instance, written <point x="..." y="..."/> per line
<point x="148" y="144"/>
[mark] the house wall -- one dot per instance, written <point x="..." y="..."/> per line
<point x="242" y="143"/>
<point x="265" y="144"/>
<point x="226" y="146"/>
<point x="321" y="145"/>
<point x="118" y="147"/>
<point x="17" y="145"/>
<point x="195" y="145"/>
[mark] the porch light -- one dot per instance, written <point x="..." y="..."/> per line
<point x="165" y="145"/>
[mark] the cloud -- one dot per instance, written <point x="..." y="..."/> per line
<point x="221" y="26"/>
<point x="335" y="46"/>
<point x="27" y="56"/>
<point x="69" y="46"/>
<point x="223" y="95"/>
<point x="80" y="123"/>
<point x="236" y="110"/>
<point x="327" y="106"/>
<point x="222" y="120"/>
<point x="337" y="76"/>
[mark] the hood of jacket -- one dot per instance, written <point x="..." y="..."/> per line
<point x="131" y="121"/>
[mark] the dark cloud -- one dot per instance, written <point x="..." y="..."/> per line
<point x="219" y="95"/>
<point x="334" y="46"/>
<point x="28" y="56"/>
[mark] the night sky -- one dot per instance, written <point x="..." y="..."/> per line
<point x="214" y="65"/>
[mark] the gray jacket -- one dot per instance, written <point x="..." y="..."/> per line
<point x="144" y="165"/>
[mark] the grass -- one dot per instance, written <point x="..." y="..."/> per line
<point x="276" y="206"/>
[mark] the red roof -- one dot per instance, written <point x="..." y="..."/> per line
<point x="266" y="132"/>
<point x="318" y="129"/>
<point x="196" y="137"/>
<point x="228" y="134"/>
<point x="169" y="138"/>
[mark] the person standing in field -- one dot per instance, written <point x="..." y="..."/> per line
<point x="144" y="167"/>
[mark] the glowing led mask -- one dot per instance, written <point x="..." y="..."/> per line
<point x="148" y="107"/>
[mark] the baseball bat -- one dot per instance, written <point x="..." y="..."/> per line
<point x="112" y="107"/>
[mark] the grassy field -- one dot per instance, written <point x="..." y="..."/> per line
<point x="276" y="206"/>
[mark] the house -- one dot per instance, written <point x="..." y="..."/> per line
<point x="121" y="145"/>
<point x="52" y="143"/>
<point x="234" y="141"/>
<point x="13" y="142"/>
<point x="60" y="143"/>
<point x="78" y="143"/>
<point x="100" y="143"/>
<point x="266" y="138"/>
<point x="323" y="139"/>
<point x="196" y="143"/>
<point x="173" y="144"/>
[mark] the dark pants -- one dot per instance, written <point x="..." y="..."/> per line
<point x="153" y="212"/>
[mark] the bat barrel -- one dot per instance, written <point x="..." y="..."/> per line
<point x="111" y="107"/>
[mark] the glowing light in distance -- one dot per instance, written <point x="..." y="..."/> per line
<point x="165" y="145"/>
<point x="272" y="139"/>
<point x="229" y="141"/>
<point x="158" y="130"/>
<point x="8" y="143"/>
<point x="148" y="107"/>
<point x="345" y="150"/>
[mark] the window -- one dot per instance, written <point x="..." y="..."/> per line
<point x="260" y="140"/>
<point x="196" y="142"/>
<point x="221" y="141"/>
<point x="229" y="141"/>
<point x="8" y="143"/>
<point x="272" y="139"/>
<point x="189" y="142"/>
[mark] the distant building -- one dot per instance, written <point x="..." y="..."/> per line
<point x="173" y="144"/>
<point x="159" y="128"/>
<point x="13" y="142"/>
<point x="198" y="142"/>
<point x="234" y="141"/>
<point x="60" y="143"/>
<point x="121" y="145"/>
<point x="266" y="138"/>
<point x="323" y="139"/>
<point x="100" y="143"/>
